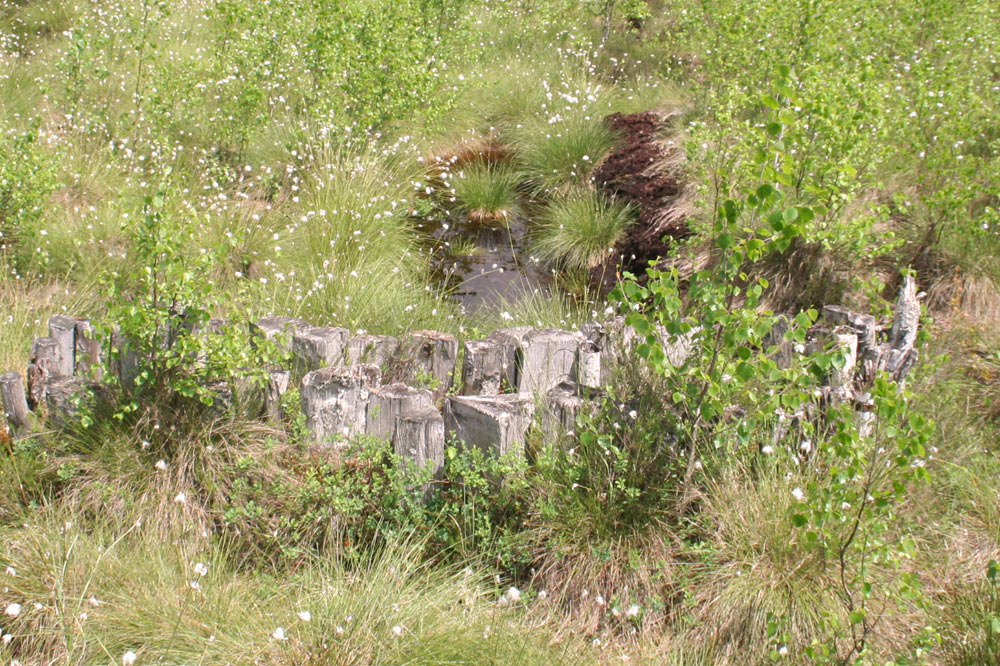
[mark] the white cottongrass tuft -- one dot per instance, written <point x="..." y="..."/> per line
<point x="13" y="610"/>
<point x="305" y="616"/>
<point x="513" y="594"/>
<point x="129" y="658"/>
<point x="279" y="634"/>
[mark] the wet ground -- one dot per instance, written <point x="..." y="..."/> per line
<point x="484" y="265"/>
<point x="489" y="264"/>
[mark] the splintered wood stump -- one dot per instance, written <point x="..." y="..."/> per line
<point x="335" y="401"/>
<point x="44" y="366"/>
<point x="496" y="425"/>
<point x="387" y="403"/>
<point x="509" y="340"/>
<point x="562" y="406"/>
<point x="15" y="402"/>
<point x="418" y="438"/>
<point x="316" y="347"/>
<point x="482" y="367"/>
<point x="373" y="349"/>
<point x="62" y="329"/>
<point x="279" y="329"/>
<point x="548" y="358"/>
<point x="429" y="360"/>
<point x="88" y="350"/>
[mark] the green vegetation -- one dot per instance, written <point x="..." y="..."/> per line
<point x="487" y="194"/>
<point x="175" y="170"/>
<point x="579" y="230"/>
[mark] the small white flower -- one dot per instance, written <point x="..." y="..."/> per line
<point x="767" y="449"/>
<point x="279" y="634"/>
<point x="7" y="638"/>
<point x="599" y="600"/>
<point x="633" y="611"/>
<point x="13" y="610"/>
<point x="513" y="594"/>
<point x="543" y="594"/>
<point x="129" y="658"/>
<point x="195" y="585"/>
<point x="633" y="415"/>
<point x="305" y="616"/>
<point x="201" y="568"/>
<point x="397" y="630"/>
<point x="339" y="630"/>
<point x="161" y="465"/>
<point x="798" y="494"/>
<point x="783" y="650"/>
<point x="11" y="571"/>
<point x="805" y="446"/>
<point x="181" y="498"/>
<point x="94" y="601"/>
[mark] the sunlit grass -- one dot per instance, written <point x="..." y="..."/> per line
<point x="487" y="193"/>
<point x="579" y="230"/>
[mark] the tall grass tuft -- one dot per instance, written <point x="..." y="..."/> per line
<point x="487" y="193"/>
<point x="577" y="231"/>
<point x="559" y="155"/>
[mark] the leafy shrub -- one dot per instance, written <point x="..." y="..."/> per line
<point x="27" y="178"/>
<point x="166" y="355"/>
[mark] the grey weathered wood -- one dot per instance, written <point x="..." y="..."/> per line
<point x="496" y="424"/>
<point x="63" y="397"/>
<point x="386" y="403"/>
<point x="335" y="401"/>
<point x="88" y="351"/>
<point x="907" y="316"/>
<point x="374" y="349"/>
<point x="482" y="367"/>
<point x="510" y="355"/>
<point x="15" y="402"/>
<point x="845" y="341"/>
<point x="429" y="359"/>
<point x="62" y="329"/>
<point x="590" y="370"/>
<point x="276" y="387"/>
<point x="43" y="368"/>
<point x="418" y="438"/>
<point x="124" y="362"/>
<point x="561" y="407"/>
<point x="316" y="347"/>
<point x="548" y="358"/>
<point x="279" y="329"/>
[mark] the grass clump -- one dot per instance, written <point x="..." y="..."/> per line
<point x="577" y="231"/>
<point x="487" y="194"/>
<point x="558" y="155"/>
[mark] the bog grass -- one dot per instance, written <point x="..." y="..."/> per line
<point x="580" y="229"/>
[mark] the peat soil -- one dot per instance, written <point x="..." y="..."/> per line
<point x="634" y="173"/>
